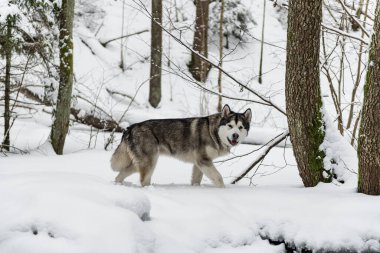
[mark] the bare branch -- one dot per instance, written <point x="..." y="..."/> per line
<point x="268" y="147"/>
<point x="344" y="33"/>
<point x="354" y="18"/>
<point x="104" y="43"/>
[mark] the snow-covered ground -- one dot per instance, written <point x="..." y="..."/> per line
<point x="70" y="204"/>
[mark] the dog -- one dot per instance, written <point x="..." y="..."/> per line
<point x="195" y="140"/>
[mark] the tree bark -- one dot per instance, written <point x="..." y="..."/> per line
<point x="262" y="46"/>
<point x="62" y="114"/>
<point x="219" y="108"/>
<point x="369" y="134"/>
<point x="7" y="91"/>
<point x="198" y="67"/>
<point x="155" y="54"/>
<point x="302" y="85"/>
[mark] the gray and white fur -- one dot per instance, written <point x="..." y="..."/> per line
<point x="195" y="140"/>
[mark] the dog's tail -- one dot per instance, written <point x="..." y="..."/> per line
<point x="120" y="159"/>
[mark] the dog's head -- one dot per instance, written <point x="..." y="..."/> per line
<point x="234" y="127"/>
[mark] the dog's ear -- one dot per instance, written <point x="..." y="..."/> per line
<point x="248" y="115"/>
<point x="226" y="111"/>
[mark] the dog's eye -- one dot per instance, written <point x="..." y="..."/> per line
<point x="229" y="125"/>
<point x="240" y="127"/>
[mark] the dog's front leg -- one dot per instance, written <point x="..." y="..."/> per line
<point x="207" y="167"/>
<point x="197" y="175"/>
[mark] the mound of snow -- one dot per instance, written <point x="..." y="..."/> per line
<point x="340" y="156"/>
<point x="58" y="211"/>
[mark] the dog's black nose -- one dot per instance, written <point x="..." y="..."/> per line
<point x="235" y="136"/>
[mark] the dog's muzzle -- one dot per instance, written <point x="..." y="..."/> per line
<point x="233" y="142"/>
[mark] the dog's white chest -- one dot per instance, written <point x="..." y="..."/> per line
<point x="214" y="153"/>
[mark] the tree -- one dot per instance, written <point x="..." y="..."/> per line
<point x="262" y="46"/>
<point x="198" y="67"/>
<point x="220" y="56"/>
<point x="25" y="34"/>
<point x="8" y="47"/>
<point x="369" y="133"/>
<point x="62" y="112"/>
<point x="302" y="85"/>
<point x="155" y="54"/>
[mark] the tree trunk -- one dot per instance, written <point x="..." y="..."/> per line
<point x="369" y="134"/>
<point x="62" y="114"/>
<point x="220" y="55"/>
<point x="155" y="54"/>
<point x="198" y="67"/>
<point x="122" y="39"/>
<point x="8" y="58"/>
<point x="262" y="46"/>
<point x="302" y="84"/>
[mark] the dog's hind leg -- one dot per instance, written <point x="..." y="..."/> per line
<point x="120" y="158"/>
<point x="146" y="170"/>
<point x="197" y="175"/>
<point x="125" y="173"/>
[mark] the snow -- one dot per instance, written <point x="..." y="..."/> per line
<point x="7" y="9"/>
<point x="51" y="206"/>
<point x="340" y="156"/>
<point x="74" y="205"/>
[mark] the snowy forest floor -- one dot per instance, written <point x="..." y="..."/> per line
<point x="69" y="203"/>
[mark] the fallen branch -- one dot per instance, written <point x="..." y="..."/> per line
<point x="271" y="144"/>
<point x="104" y="44"/>
<point x="87" y="45"/>
<point x="32" y="96"/>
<point x="23" y="152"/>
<point x="91" y="120"/>
<point x="113" y="92"/>
<point x="87" y="119"/>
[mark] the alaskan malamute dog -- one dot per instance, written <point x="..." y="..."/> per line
<point x="195" y="140"/>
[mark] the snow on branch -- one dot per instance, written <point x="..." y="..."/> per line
<point x="7" y="8"/>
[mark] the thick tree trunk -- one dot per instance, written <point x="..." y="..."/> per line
<point x="155" y="54"/>
<point x="303" y="98"/>
<point x="62" y="114"/>
<point x="198" y="67"/>
<point x="7" y="91"/>
<point x="369" y="134"/>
